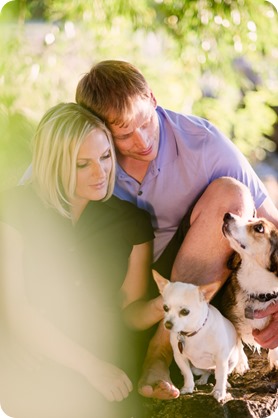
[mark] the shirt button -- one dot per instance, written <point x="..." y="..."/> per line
<point x="140" y="193"/>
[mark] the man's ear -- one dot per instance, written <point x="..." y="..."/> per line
<point x="160" y="281"/>
<point x="153" y="99"/>
<point x="209" y="290"/>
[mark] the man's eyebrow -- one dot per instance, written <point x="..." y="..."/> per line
<point x="122" y="136"/>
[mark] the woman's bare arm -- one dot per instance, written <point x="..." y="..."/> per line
<point x="138" y="312"/>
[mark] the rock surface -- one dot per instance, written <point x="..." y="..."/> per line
<point x="254" y="395"/>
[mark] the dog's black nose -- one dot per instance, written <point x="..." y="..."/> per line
<point x="227" y="216"/>
<point x="168" y="324"/>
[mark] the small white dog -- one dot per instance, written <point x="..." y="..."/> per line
<point x="253" y="284"/>
<point x="200" y="336"/>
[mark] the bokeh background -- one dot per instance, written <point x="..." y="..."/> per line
<point x="213" y="58"/>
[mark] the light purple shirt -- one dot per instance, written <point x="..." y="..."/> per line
<point x="192" y="153"/>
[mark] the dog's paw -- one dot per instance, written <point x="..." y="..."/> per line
<point x="186" y="389"/>
<point x="242" y="365"/>
<point x="203" y="379"/>
<point x="228" y="384"/>
<point x="219" y="394"/>
<point x="242" y="368"/>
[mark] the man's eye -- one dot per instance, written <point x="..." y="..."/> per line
<point x="145" y="125"/>
<point x="259" y="228"/>
<point x="122" y="138"/>
<point x="184" y="312"/>
<point x="166" y="308"/>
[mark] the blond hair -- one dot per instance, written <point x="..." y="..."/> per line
<point x="59" y="135"/>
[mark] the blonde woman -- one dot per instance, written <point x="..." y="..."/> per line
<point x="73" y="258"/>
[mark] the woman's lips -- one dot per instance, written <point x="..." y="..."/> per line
<point x="98" y="185"/>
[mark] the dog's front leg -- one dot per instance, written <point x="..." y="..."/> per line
<point x="273" y="358"/>
<point x="221" y="376"/>
<point x="184" y="366"/>
<point x="242" y="365"/>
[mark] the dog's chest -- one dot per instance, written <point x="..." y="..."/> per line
<point x="243" y="312"/>
<point x="194" y="350"/>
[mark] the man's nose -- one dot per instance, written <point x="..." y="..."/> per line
<point x="141" y="138"/>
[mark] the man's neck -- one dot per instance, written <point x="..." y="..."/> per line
<point x="134" y="168"/>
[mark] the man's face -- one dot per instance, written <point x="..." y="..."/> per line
<point x="138" y="139"/>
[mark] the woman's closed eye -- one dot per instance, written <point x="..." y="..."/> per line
<point x="106" y="155"/>
<point x="82" y="164"/>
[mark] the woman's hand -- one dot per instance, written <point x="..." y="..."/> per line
<point x="110" y="381"/>
<point x="268" y="337"/>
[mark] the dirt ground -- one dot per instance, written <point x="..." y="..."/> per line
<point x="253" y="395"/>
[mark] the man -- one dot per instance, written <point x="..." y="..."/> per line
<point x="171" y="165"/>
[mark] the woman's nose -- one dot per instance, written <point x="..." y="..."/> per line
<point x="97" y="171"/>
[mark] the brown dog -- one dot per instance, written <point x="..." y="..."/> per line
<point x="253" y="284"/>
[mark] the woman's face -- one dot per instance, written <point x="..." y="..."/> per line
<point x="93" y="167"/>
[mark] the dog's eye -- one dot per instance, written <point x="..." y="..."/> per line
<point x="259" y="228"/>
<point x="166" y="308"/>
<point x="184" y="312"/>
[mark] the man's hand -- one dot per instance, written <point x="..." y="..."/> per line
<point x="268" y="337"/>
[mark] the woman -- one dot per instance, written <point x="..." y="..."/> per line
<point x="73" y="256"/>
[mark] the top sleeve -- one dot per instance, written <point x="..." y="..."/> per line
<point x="135" y="222"/>
<point x="143" y="227"/>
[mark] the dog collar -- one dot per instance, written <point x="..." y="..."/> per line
<point x="183" y="334"/>
<point x="190" y="334"/>
<point x="263" y="297"/>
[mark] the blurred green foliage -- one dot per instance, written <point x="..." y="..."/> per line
<point x="214" y="58"/>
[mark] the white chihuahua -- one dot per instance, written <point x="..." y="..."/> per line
<point x="200" y="335"/>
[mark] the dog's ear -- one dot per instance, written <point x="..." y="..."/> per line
<point x="160" y="281"/>
<point x="234" y="261"/>
<point x="209" y="290"/>
<point x="273" y="267"/>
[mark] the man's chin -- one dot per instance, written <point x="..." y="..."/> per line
<point x="147" y="158"/>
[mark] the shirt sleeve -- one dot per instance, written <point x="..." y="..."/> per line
<point x="223" y="158"/>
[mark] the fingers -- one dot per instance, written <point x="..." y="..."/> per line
<point x="271" y="309"/>
<point x="268" y="337"/>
